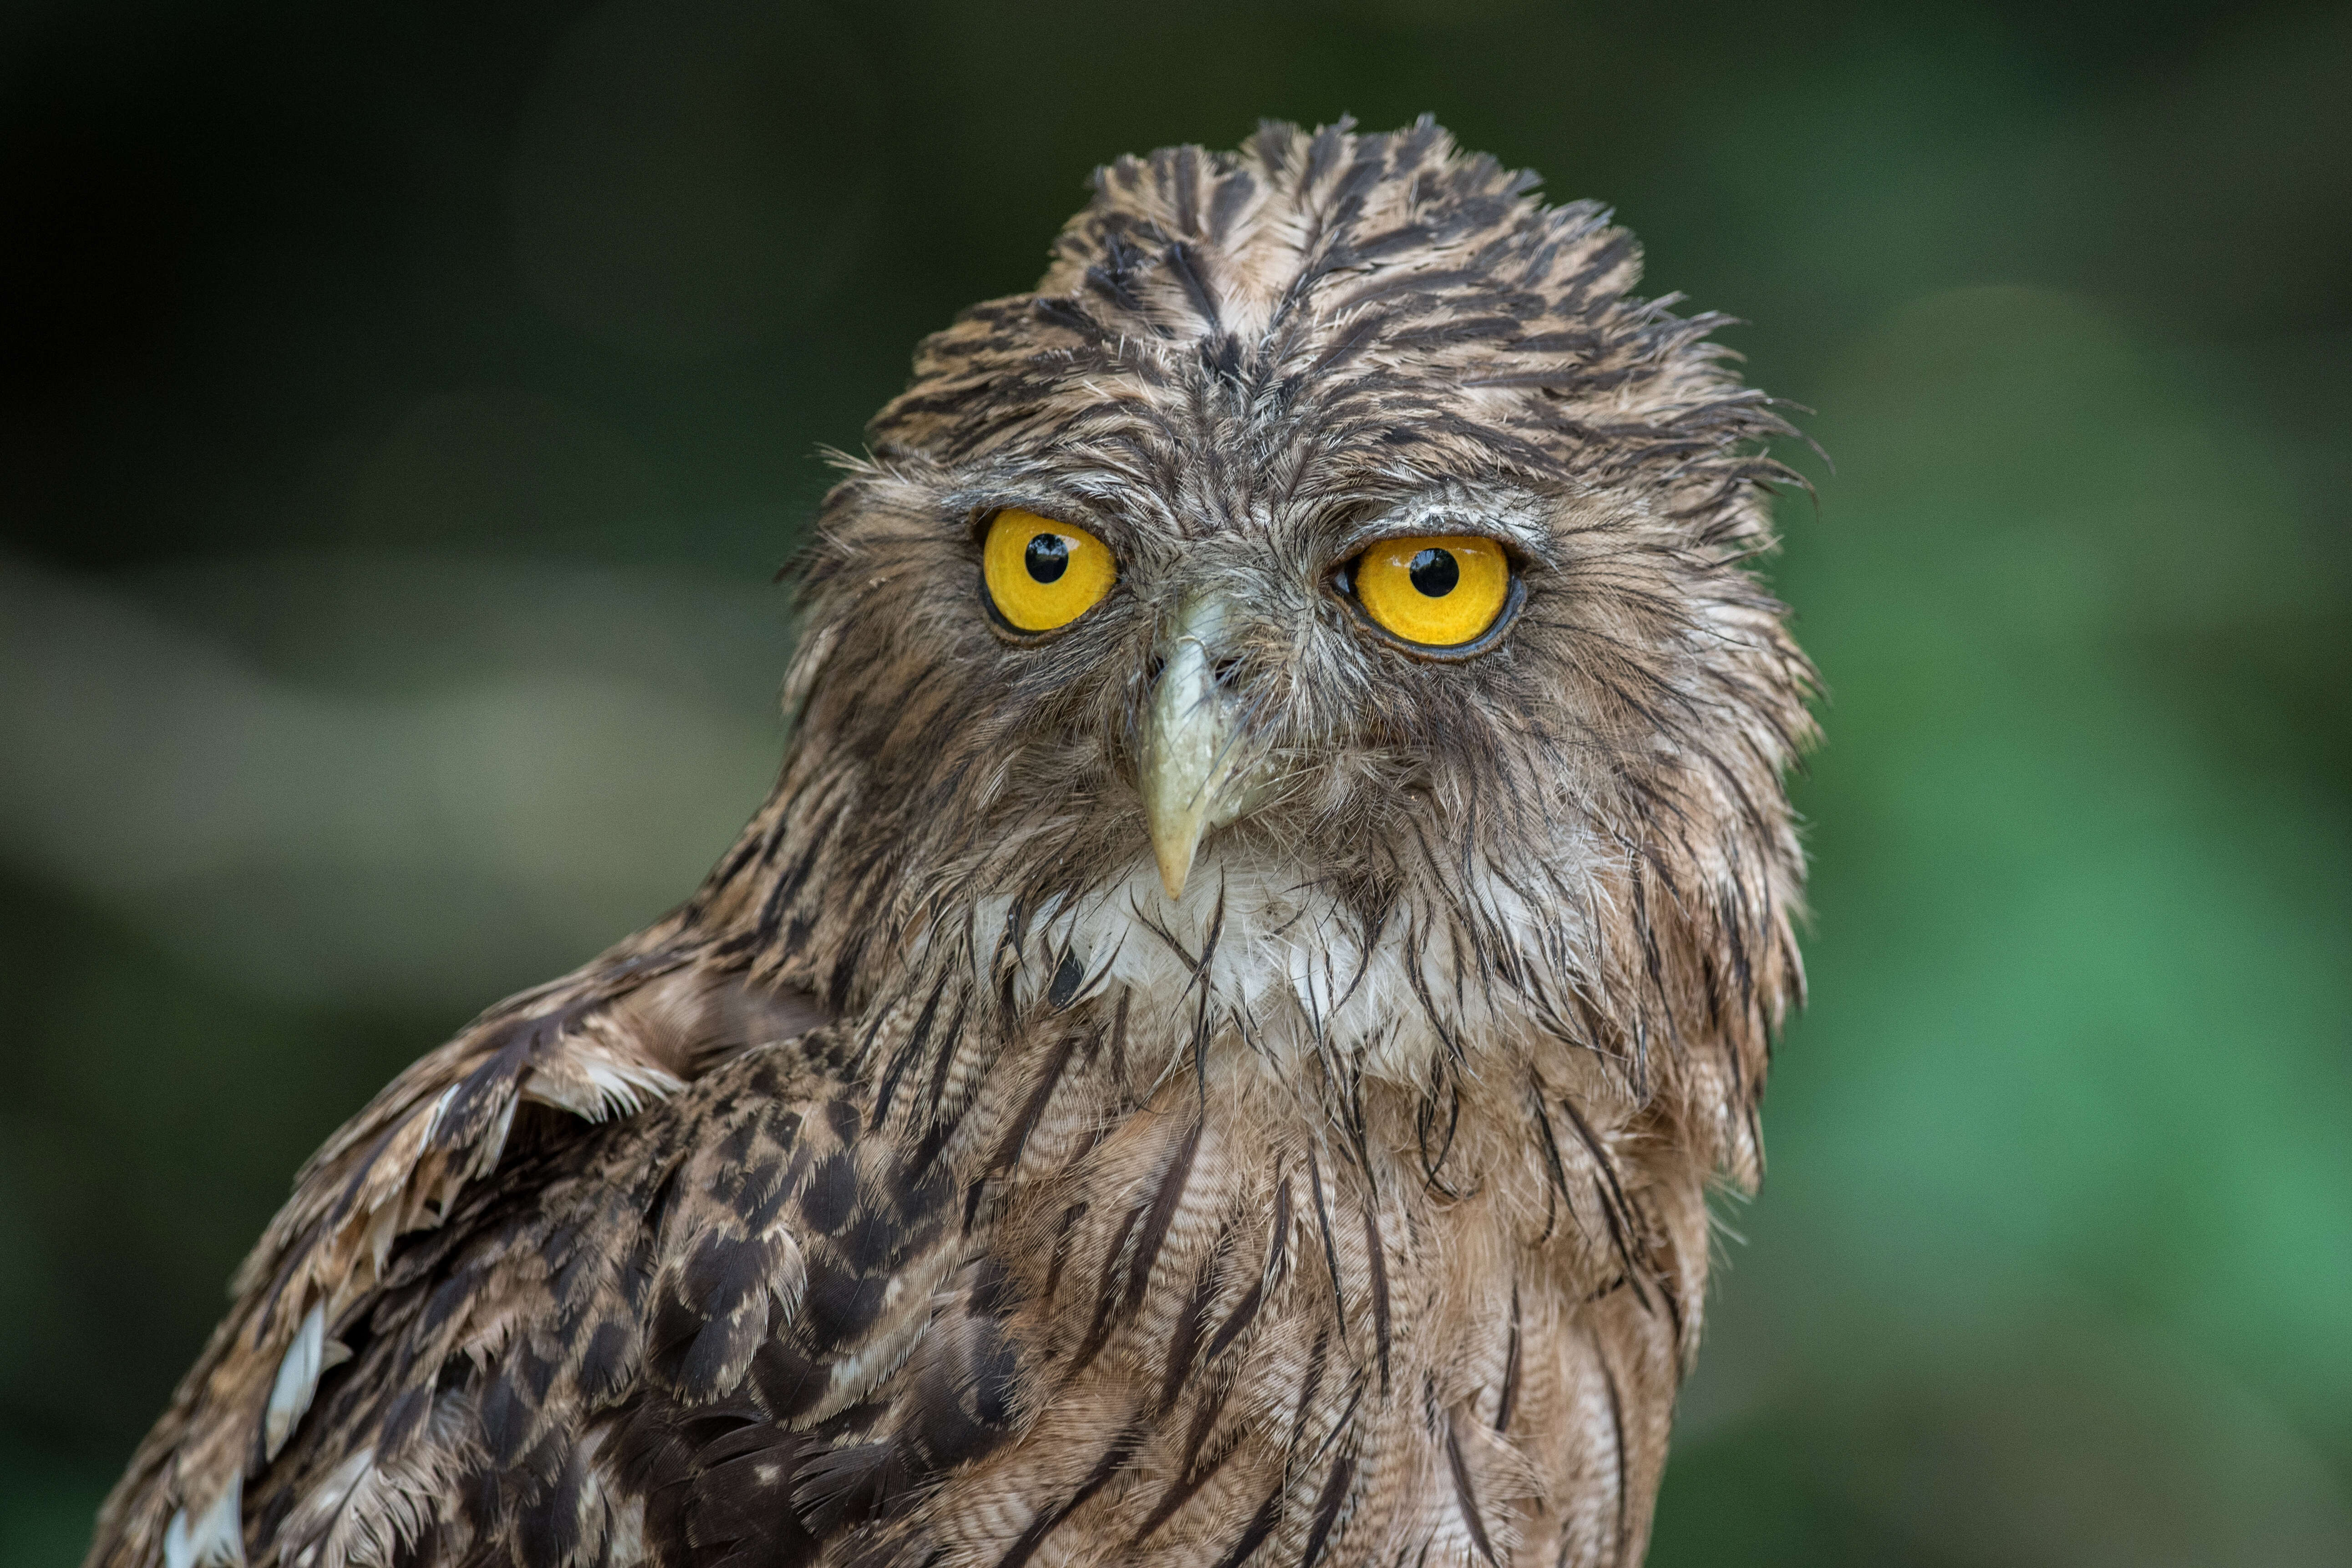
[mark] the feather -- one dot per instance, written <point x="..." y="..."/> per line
<point x="297" y="1380"/>
<point x="215" y="1538"/>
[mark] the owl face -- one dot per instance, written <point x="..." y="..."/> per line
<point x="1319" y="677"/>
<point x="1332" y="543"/>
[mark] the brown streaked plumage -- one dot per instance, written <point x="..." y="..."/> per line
<point x="934" y="1189"/>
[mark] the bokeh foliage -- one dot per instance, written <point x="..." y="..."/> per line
<point x="404" y="405"/>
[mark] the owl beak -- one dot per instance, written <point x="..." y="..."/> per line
<point x="1191" y="764"/>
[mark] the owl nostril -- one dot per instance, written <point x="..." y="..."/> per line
<point x="1225" y="670"/>
<point x="1152" y="672"/>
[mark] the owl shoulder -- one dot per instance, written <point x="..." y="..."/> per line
<point x="448" y="1158"/>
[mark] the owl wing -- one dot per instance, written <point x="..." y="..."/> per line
<point x="720" y="1333"/>
<point x="627" y="1032"/>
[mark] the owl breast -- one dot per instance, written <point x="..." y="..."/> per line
<point x="1274" y="1300"/>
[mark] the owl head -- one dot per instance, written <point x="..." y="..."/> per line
<point x="1327" y="596"/>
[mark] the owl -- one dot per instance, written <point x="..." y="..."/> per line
<point x="1214" y="1051"/>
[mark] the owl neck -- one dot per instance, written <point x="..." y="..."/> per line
<point x="857" y="895"/>
<point x="1257" y="972"/>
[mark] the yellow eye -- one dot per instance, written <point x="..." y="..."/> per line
<point x="1042" y="574"/>
<point x="1438" y="590"/>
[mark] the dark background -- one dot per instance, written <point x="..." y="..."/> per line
<point x="403" y="406"/>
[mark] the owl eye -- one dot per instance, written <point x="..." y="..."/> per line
<point x="1435" y="591"/>
<point x="1042" y="574"/>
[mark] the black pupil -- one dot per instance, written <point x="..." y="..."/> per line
<point x="1048" y="556"/>
<point x="1435" y="572"/>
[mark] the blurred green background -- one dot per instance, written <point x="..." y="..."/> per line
<point x="402" y="408"/>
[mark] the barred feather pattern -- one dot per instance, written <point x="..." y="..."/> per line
<point x="932" y="1189"/>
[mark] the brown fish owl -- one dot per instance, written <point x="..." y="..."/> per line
<point x="1214" y="1052"/>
